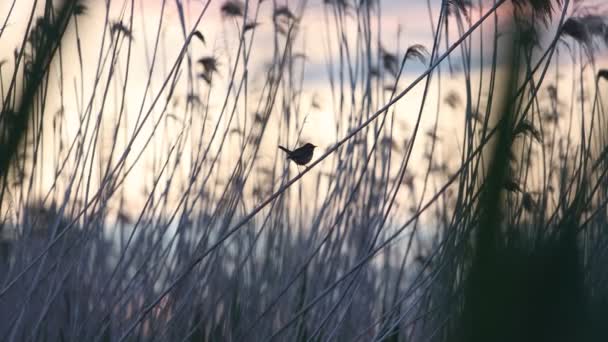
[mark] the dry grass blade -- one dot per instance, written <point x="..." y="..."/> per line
<point x="315" y="102"/>
<point x="390" y="88"/>
<point x="200" y="36"/>
<point x="390" y="62"/>
<point x="539" y="9"/>
<point x="283" y="27"/>
<point x="551" y="116"/>
<point x="511" y="185"/>
<point x="250" y="26"/>
<point x="528" y="202"/>
<point x="233" y="8"/>
<point x="584" y="29"/>
<point x="205" y="77"/>
<point x="367" y="3"/>
<point x="528" y="35"/>
<point x="236" y="131"/>
<point x="193" y="99"/>
<point x="388" y="142"/>
<point x="595" y="24"/>
<point x="452" y="99"/>
<point x="258" y="117"/>
<point x="417" y="51"/>
<point x="283" y="12"/>
<point x="433" y="135"/>
<point x="459" y="7"/>
<point x="574" y="28"/>
<point x="341" y="4"/>
<point x="299" y="55"/>
<point x="552" y="91"/>
<point x="475" y="115"/>
<point x="80" y="9"/>
<point x="373" y="72"/>
<point x="118" y="27"/>
<point x="209" y="63"/>
<point x="48" y="38"/>
<point x="526" y="127"/>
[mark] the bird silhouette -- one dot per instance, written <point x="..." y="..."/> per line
<point x="301" y="155"/>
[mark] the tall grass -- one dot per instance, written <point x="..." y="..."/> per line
<point x="462" y="196"/>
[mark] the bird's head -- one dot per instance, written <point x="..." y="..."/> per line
<point x="310" y="146"/>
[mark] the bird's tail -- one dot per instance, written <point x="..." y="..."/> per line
<point x="284" y="149"/>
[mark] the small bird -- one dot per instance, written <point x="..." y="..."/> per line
<point x="301" y="155"/>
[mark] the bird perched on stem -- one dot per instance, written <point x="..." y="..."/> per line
<point x="301" y="155"/>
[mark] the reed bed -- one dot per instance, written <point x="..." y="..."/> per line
<point x="458" y="194"/>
